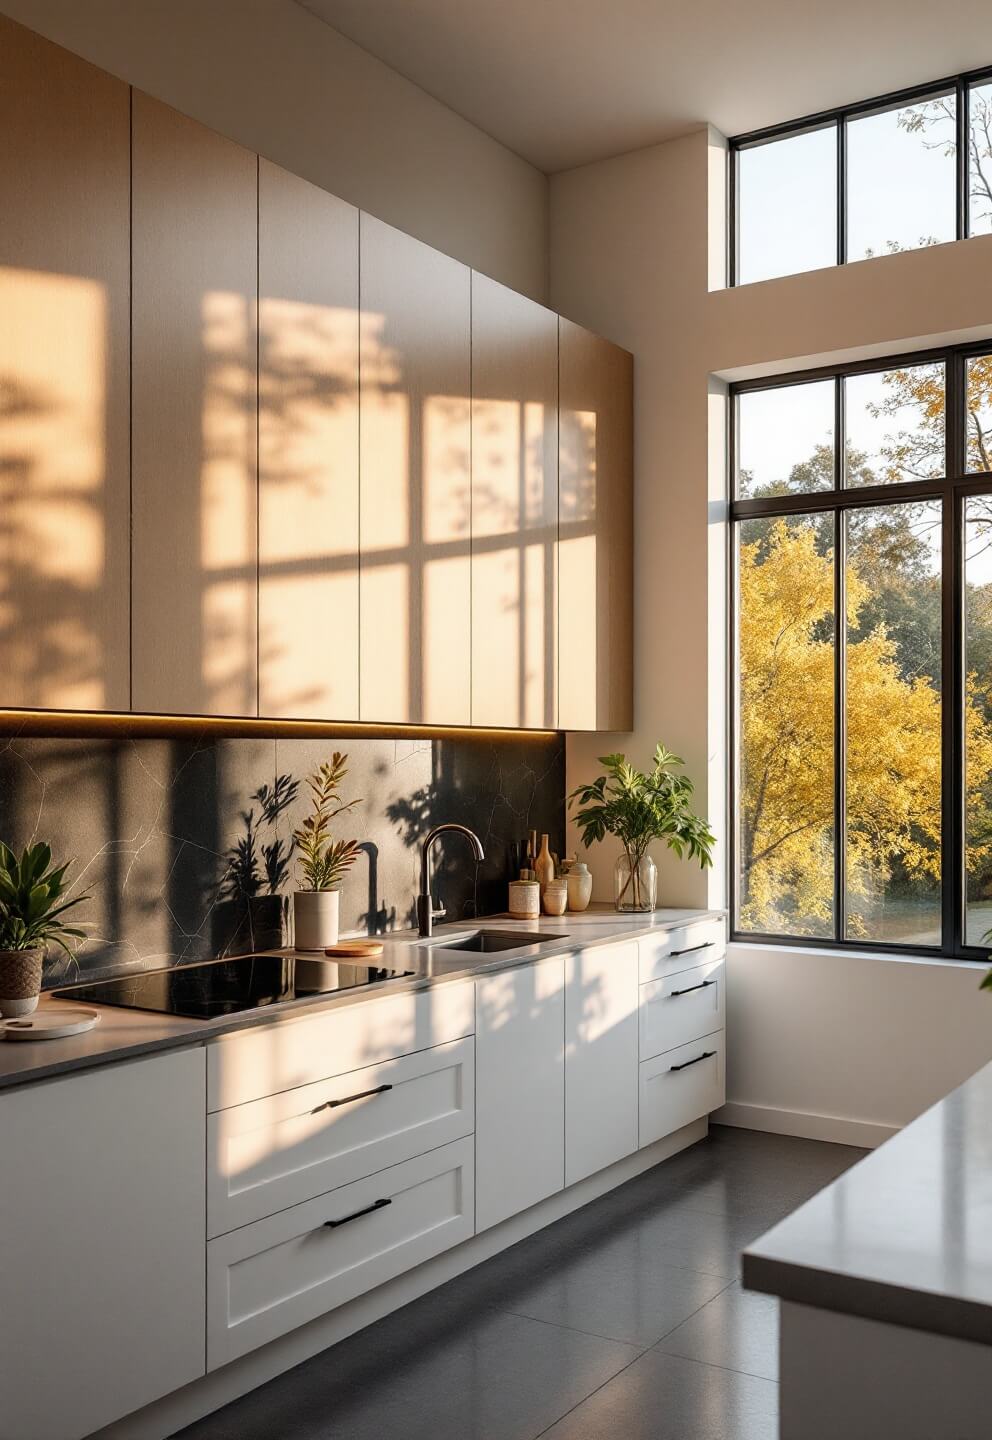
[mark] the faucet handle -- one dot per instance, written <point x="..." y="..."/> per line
<point x="439" y="913"/>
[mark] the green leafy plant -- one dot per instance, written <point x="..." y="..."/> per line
<point x="639" y="808"/>
<point x="32" y="903"/>
<point x="324" y="862"/>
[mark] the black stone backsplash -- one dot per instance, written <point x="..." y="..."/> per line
<point x="182" y="841"/>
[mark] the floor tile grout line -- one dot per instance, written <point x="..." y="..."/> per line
<point x="589" y="1334"/>
<point x="712" y="1365"/>
<point x="703" y="1364"/>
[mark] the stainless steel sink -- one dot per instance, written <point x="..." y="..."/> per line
<point x="486" y="942"/>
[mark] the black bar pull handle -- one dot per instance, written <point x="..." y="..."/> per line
<point x="705" y="1056"/>
<point x="674" y="994"/>
<point x="378" y="1205"/>
<point x="350" y="1099"/>
<point x="690" y="949"/>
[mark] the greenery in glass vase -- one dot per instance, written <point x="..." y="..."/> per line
<point x="32" y="903"/>
<point x="639" y="808"/>
<point x="322" y="861"/>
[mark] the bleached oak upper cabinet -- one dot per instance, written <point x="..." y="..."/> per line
<point x="102" y="1247"/>
<point x="415" y="481"/>
<point x="307" y="450"/>
<point x="514" y="509"/>
<point x="63" y="379"/>
<point x="601" y="1058"/>
<point x="194" y="418"/>
<point x="595" y="519"/>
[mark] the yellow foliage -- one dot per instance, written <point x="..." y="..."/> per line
<point x="787" y="723"/>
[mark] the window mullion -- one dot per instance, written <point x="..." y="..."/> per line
<point x="963" y="117"/>
<point x="840" y="726"/>
<point x="841" y="191"/>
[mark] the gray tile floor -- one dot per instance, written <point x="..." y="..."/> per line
<point x="627" y="1319"/>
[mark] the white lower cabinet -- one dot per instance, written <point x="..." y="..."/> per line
<point x="283" y="1149"/>
<point x="681" y="1086"/>
<point x="601" y="1053"/>
<point x="682" y="1007"/>
<point x="265" y="1279"/>
<point x="101" y="1244"/>
<point x="520" y="1089"/>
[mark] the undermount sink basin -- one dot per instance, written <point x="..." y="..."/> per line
<point x="488" y="941"/>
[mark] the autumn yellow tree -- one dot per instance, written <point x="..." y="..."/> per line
<point x="787" y="783"/>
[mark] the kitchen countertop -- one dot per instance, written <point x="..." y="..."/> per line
<point x="905" y="1237"/>
<point x="125" y="1034"/>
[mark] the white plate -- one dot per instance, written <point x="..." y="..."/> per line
<point x="55" y="1022"/>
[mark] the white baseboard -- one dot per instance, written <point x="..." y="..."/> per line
<point x="834" y="1128"/>
<point x="218" y="1388"/>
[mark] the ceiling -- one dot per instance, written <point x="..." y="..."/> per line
<point x="564" y="82"/>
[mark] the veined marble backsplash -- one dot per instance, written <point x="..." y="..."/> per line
<point x="181" y="840"/>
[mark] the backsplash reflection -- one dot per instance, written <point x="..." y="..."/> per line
<point x="185" y="843"/>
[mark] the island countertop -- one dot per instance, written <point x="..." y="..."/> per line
<point x="905" y="1237"/>
<point x="125" y="1034"/>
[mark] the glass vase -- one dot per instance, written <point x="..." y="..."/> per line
<point x="635" y="887"/>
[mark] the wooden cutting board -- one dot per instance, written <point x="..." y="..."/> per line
<point x="355" y="949"/>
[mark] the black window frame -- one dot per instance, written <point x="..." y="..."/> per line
<point x="838" y="118"/>
<point x="953" y="489"/>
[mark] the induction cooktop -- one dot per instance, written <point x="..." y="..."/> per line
<point x="215" y="988"/>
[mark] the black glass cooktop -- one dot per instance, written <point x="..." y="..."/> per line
<point x="227" y="987"/>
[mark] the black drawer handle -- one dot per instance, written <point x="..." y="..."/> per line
<point x="350" y="1099"/>
<point x="705" y="1056"/>
<point x="674" y="994"/>
<point x="378" y="1205"/>
<point x="690" y="949"/>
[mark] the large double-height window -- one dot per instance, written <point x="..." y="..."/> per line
<point x="862" y="632"/>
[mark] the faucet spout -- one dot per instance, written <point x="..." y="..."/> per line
<point x="426" y="914"/>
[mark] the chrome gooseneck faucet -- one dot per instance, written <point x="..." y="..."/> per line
<point x="426" y="914"/>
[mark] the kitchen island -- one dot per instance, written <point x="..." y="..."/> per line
<point x="885" y="1279"/>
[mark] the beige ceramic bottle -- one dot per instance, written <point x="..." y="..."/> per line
<point x="544" y="865"/>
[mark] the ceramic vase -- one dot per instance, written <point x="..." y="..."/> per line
<point x="315" y="918"/>
<point x="544" y="866"/>
<point x="579" y="887"/>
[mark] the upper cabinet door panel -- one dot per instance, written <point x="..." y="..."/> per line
<point x="595" y="532"/>
<point x="415" y="561"/>
<point x="194" y="418"/>
<point x="308" y="450"/>
<point x="514" y="508"/>
<point x="63" y="379"/>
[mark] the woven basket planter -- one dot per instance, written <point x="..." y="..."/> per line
<point x="20" y="981"/>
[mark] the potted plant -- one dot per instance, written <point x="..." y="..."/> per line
<point x="322" y="862"/>
<point x="32" y="908"/>
<point x="637" y="809"/>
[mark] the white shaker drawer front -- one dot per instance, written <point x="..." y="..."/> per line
<point x="268" y="1278"/>
<point x="681" y="1086"/>
<point x="295" y="1051"/>
<point x="681" y="948"/>
<point x="287" y="1148"/>
<point x="682" y="1007"/>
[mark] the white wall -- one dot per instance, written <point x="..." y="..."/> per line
<point x="816" y="1040"/>
<point x="272" y="76"/>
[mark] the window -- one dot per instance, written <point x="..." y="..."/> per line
<point x="862" y="555"/>
<point x="788" y="205"/>
<point x="865" y="180"/>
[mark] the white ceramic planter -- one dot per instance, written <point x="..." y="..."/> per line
<point x="315" y="918"/>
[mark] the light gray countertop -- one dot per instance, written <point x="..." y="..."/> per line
<point x="125" y="1034"/>
<point x="905" y="1236"/>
